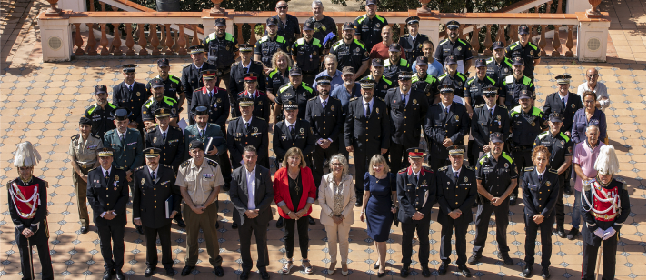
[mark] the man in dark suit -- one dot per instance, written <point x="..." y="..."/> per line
<point x="154" y="186"/>
<point x="261" y="101"/>
<point x="367" y="131"/>
<point x="446" y="124"/>
<point x="192" y="76"/>
<point x="416" y="193"/>
<point x="131" y="95"/>
<point x="170" y="139"/>
<point x="292" y="132"/>
<point x="242" y="68"/>
<point x="456" y="192"/>
<point x="247" y="130"/>
<point x="407" y="110"/>
<point x="214" y="98"/>
<point x="107" y="193"/>
<point x="487" y="119"/>
<point x="252" y="193"/>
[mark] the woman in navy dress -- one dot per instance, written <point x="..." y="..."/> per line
<point x="380" y="204"/>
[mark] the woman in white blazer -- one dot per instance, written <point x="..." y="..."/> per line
<point x="337" y="198"/>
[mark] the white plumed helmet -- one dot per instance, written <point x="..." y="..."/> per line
<point x="607" y="162"/>
<point x="26" y="155"/>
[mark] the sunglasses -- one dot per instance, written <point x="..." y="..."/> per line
<point x="282" y="7"/>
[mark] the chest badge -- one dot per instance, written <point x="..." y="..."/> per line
<point x="424" y="183"/>
<point x="533" y="124"/>
<point x="227" y="48"/>
<point x="255" y="130"/>
<point x="548" y="183"/>
<point x="377" y="110"/>
<point x="332" y="107"/>
<point x="498" y="117"/>
<point x="155" y="139"/>
<point x="314" y="53"/>
<point x="420" y="46"/>
<point x="531" y="52"/>
<point x="357" y="49"/>
<point x="116" y="178"/>
<point x="219" y="100"/>
<point x="139" y="94"/>
<point x="377" y="25"/>
<point x="115" y="188"/>
<point x="302" y="130"/>
<point x="506" y="165"/>
<point x="573" y="106"/>
<point x="505" y="70"/>
<point x="259" y="102"/>
<point x="562" y="142"/>
<point x="457" y="118"/>
<point x="459" y="48"/>
<point x="448" y="183"/>
<point x="466" y="179"/>
<point x="414" y="101"/>
<point x="143" y="181"/>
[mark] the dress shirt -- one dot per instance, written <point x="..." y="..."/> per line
<point x="251" y="188"/>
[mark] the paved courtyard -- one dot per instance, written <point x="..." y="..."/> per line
<point x="42" y="102"/>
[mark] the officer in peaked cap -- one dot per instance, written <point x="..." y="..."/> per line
<point x="487" y="119"/>
<point x="455" y="46"/>
<point x="524" y="48"/>
<point x="247" y="130"/>
<point x="563" y="102"/>
<point x="101" y="112"/>
<point x="261" y="101"/>
<point x="131" y="95"/>
<point x="192" y="75"/>
<point x="413" y="42"/>
<point x="296" y="91"/>
<point x="173" y="86"/>
<point x="382" y="83"/>
<point x="213" y="97"/>
<point x="240" y="70"/>
<point x="452" y="76"/>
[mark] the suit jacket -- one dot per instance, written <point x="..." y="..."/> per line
<point x="108" y="194"/>
<point x="263" y="194"/>
<point x="238" y="137"/>
<point x="553" y="104"/>
<point x="415" y="197"/>
<point x="236" y="81"/>
<point x="281" y="191"/>
<point x="326" y="199"/>
<point x="327" y="122"/>
<point x="283" y="140"/>
<point x="539" y="198"/>
<point x="172" y="147"/>
<point x="192" y="132"/>
<point x="128" y="154"/>
<point x="149" y="202"/>
<point x="261" y="104"/>
<point x="373" y="132"/>
<point x="453" y="125"/>
<point x="192" y="79"/>
<point x="406" y="119"/>
<point x="131" y="100"/>
<point x="218" y="104"/>
<point x="455" y="194"/>
<point x="483" y="124"/>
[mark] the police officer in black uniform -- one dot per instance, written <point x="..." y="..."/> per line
<point x="213" y="97"/>
<point x="499" y="66"/>
<point x="268" y="45"/>
<point x="416" y="194"/>
<point x="222" y="50"/>
<point x="455" y="46"/>
<point x="446" y="124"/>
<point x="563" y="102"/>
<point x="473" y="88"/>
<point x="261" y="101"/>
<point x="513" y="85"/>
<point x="293" y="132"/>
<point x="240" y="69"/>
<point x="487" y="119"/>
<point x="456" y="192"/>
<point x="170" y="139"/>
<point x="172" y="85"/>
<point x="382" y="84"/>
<point x="247" y="130"/>
<point x="350" y="51"/>
<point x="496" y="177"/>
<point x="107" y="193"/>
<point x="524" y="48"/>
<point x="452" y="76"/>
<point x="131" y="95"/>
<point x="101" y="113"/>
<point x="367" y="131"/>
<point x="159" y="101"/>
<point x="368" y="27"/>
<point x="526" y="122"/>
<point x="413" y="42"/>
<point x="307" y="53"/>
<point x="407" y="110"/>
<point x="296" y="91"/>
<point x="424" y="83"/>
<point x="395" y="64"/>
<point x="192" y="76"/>
<point x="560" y="147"/>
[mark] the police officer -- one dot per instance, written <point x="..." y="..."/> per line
<point x="382" y="84"/>
<point x="131" y="95"/>
<point x="456" y="47"/>
<point x="524" y="48"/>
<point x="213" y="97"/>
<point x="395" y="64"/>
<point x="159" y="101"/>
<point x="446" y="124"/>
<point x="307" y="53"/>
<point x="407" y="111"/>
<point x="27" y="203"/>
<point x="350" y="51"/>
<point x="425" y="83"/>
<point x="487" y="119"/>
<point x="413" y="42"/>
<point x="172" y="85"/>
<point x="526" y="122"/>
<point x="325" y="115"/>
<point x="101" y="112"/>
<point x="368" y="27"/>
<point x="560" y="147"/>
<point x="456" y="192"/>
<point x="563" y="102"/>
<point x="107" y="193"/>
<point x="154" y="187"/>
<point x="288" y="26"/>
<point x="169" y="139"/>
<point x="416" y="194"/>
<point x="83" y="156"/>
<point x="278" y="76"/>
<point x="126" y="143"/>
<point x="452" y="76"/>
<point x="473" y="88"/>
<point x="296" y="91"/>
<point x="268" y="45"/>
<point x="247" y="130"/>
<point x="204" y="131"/>
<point x="499" y="66"/>
<point x="514" y="84"/>
<point x="323" y="25"/>
<point x="223" y="50"/>
<point x="293" y="132"/>
<point x="260" y="99"/>
<point x="496" y="177"/>
<point x="240" y="69"/>
<point x="192" y="76"/>
<point x="540" y="191"/>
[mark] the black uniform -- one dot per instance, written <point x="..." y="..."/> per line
<point x="172" y="87"/>
<point x="483" y="124"/>
<point x="172" y="147"/>
<point x="350" y="55"/>
<point x="322" y="28"/>
<point x="392" y="70"/>
<point x="236" y="79"/>
<point x="406" y="124"/>
<point x="560" y="146"/>
<point x="529" y="52"/>
<point x="267" y="46"/>
<point x="217" y="102"/>
<point x="459" y="48"/>
<point x="539" y="197"/>
<point x="439" y="125"/>
<point x="149" y="204"/>
<point x="554" y="104"/>
<point x="512" y="88"/>
<point x="102" y="119"/>
<point x="302" y="136"/>
<point x="192" y="80"/>
<point x="327" y="123"/>
<point x="496" y="177"/>
<point x="455" y="193"/>
<point x="151" y="105"/>
<point x="382" y="86"/>
<point x="275" y="80"/>
<point x="261" y="104"/>
<point x="473" y="89"/>
<point x="428" y="85"/>
<point x="415" y="193"/>
<point x="256" y="135"/>
<point x="109" y="194"/>
<point x="413" y="47"/>
<point x="498" y="71"/>
<point x="525" y="128"/>
<point x="289" y="29"/>
<point x="303" y="93"/>
<point x="37" y="223"/>
<point x="369" y="30"/>
<point x="457" y="80"/>
<point x="368" y="135"/>
<point x="308" y="56"/>
<point x="132" y="100"/>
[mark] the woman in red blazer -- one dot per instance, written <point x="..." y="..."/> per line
<point x="294" y="185"/>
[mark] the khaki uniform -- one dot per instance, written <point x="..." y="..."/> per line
<point x="84" y="152"/>
<point x="200" y="182"/>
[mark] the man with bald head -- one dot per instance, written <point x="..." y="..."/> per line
<point x="592" y="84"/>
<point x="380" y="50"/>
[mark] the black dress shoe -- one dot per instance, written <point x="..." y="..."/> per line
<point x="187" y="270"/>
<point x="559" y="231"/>
<point x="573" y="233"/>
<point x="527" y="270"/>
<point x="358" y="204"/>
<point x="120" y="275"/>
<point x="506" y="259"/>
<point x="312" y="222"/>
<point x="264" y="275"/>
<point x="181" y="223"/>
<point x="217" y="225"/>
<point x="442" y="269"/>
<point x="546" y="273"/>
<point x="107" y="275"/>
<point x="169" y="271"/>
<point x="405" y="270"/>
<point x="84" y="230"/>
<point x="375" y="266"/>
<point x="219" y="271"/>
<point x="150" y="271"/>
<point x="426" y="272"/>
<point x="473" y="259"/>
<point x="464" y="270"/>
<point x="512" y="200"/>
<point x="244" y="275"/>
<point x="281" y="222"/>
<point x="234" y="226"/>
<point x="381" y="274"/>
<point x="140" y="229"/>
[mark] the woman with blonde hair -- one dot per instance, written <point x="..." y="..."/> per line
<point x="278" y="76"/>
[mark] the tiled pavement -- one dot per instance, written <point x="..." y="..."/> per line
<point x="42" y="103"/>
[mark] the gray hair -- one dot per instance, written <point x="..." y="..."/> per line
<point x="317" y="3"/>
<point x="591" y="126"/>
<point x="331" y="56"/>
<point x="250" y="148"/>
<point x="341" y="158"/>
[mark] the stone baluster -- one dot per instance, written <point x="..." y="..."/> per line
<point x="181" y="41"/>
<point x="78" y="40"/>
<point x="570" y="40"/>
<point x="559" y="8"/>
<point x="548" y="7"/>
<point x="542" y="42"/>
<point x="116" y="41"/>
<point x="240" y="37"/>
<point x="501" y="34"/>
<point x="130" y="40"/>
<point x="475" y="42"/>
<point x="175" y="40"/>
<point x="142" y="39"/>
<point x="154" y="41"/>
<point x="556" y="42"/>
<point x="169" y="41"/>
<point x="339" y="28"/>
<point x="92" y="8"/>
<point x="90" y="47"/>
<point x="513" y="34"/>
<point x="196" y="39"/>
<point x="488" y="43"/>
<point x="104" y="41"/>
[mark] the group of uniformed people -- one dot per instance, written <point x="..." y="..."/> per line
<point x="140" y="143"/>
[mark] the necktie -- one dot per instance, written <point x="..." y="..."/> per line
<point x="164" y="137"/>
<point x="416" y="179"/>
<point x="291" y="130"/>
<point x="367" y="109"/>
<point x="447" y="110"/>
<point x="324" y="102"/>
<point x="123" y="136"/>
<point x="456" y="175"/>
<point x="246" y="70"/>
<point x="153" y="175"/>
<point x="130" y="88"/>
<point x="491" y="112"/>
<point x="564" y="103"/>
<point x="247" y="129"/>
<point x="403" y="99"/>
<point x="107" y="174"/>
<point x="540" y="179"/>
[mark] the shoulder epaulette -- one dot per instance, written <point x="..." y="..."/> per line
<point x="185" y="163"/>
<point x="402" y="171"/>
<point x="353" y="98"/>
<point x="139" y="168"/>
<point x="75" y="137"/>
<point x="478" y="106"/>
<point x="234" y="118"/>
<point x="187" y="65"/>
<point x="553" y="171"/>
<point x="167" y="166"/>
<point x="380" y="98"/>
<point x="211" y="162"/>
<point x="529" y="168"/>
<point x="443" y="168"/>
<point x="236" y="63"/>
<point x="257" y="62"/>
<point x="176" y="128"/>
<point x="502" y="106"/>
<point x="95" y="136"/>
<point x="120" y="168"/>
<point x="469" y="167"/>
<point x="260" y="118"/>
<point x="427" y="169"/>
<point x="94" y="168"/>
<point x="111" y="131"/>
<point x="586" y="187"/>
<point x="313" y="98"/>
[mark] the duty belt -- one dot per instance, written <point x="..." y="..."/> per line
<point x="605" y="218"/>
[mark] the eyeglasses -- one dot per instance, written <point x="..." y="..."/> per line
<point x="282" y="7"/>
<point x="593" y="76"/>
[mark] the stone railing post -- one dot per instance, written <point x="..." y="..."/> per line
<point x="57" y="41"/>
<point x="592" y="37"/>
<point x="431" y="26"/>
